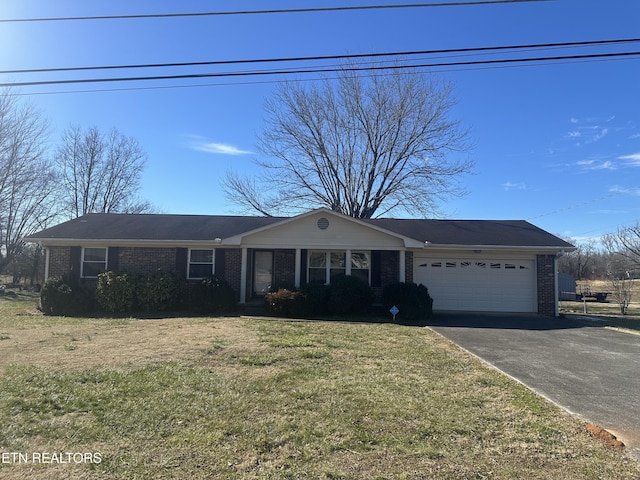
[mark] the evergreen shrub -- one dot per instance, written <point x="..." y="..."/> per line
<point x="413" y="301"/>
<point x="66" y="296"/>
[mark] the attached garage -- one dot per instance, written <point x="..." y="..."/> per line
<point x="479" y="284"/>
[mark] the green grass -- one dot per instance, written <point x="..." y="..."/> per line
<point x="278" y="400"/>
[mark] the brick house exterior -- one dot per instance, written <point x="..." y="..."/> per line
<point x="472" y="265"/>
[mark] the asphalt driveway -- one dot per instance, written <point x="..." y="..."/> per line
<point x="591" y="371"/>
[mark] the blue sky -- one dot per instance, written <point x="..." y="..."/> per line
<point x="557" y="144"/>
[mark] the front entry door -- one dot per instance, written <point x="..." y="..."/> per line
<point x="262" y="271"/>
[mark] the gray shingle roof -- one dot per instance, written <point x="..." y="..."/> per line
<point x="154" y="227"/>
<point x="472" y="232"/>
<point x="116" y="226"/>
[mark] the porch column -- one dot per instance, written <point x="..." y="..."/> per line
<point x="298" y="263"/>
<point x="403" y="266"/>
<point x="347" y="263"/>
<point x="243" y="275"/>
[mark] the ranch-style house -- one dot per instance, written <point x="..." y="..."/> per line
<point x="467" y="265"/>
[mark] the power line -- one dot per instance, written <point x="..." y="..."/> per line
<point x="274" y="11"/>
<point x="264" y="82"/>
<point x="320" y="70"/>
<point x="329" y="57"/>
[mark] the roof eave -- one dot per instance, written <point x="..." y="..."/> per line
<point x="531" y="248"/>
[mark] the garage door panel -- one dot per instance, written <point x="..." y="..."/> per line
<point x="478" y="284"/>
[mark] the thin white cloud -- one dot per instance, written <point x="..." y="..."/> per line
<point x="596" y="165"/>
<point x="575" y="134"/>
<point x="632" y="160"/>
<point x="514" y="186"/>
<point x="598" y="136"/>
<point x="203" y="145"/>
<point x="626" y="190"/>
<point x="221" y="148"/>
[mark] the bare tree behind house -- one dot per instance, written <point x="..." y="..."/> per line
<point x="627" y="241"/>
<point x="27" y="179"/>
<point x="364" y="145"/>
<point x="621" y="262"/>
<point x="100" y="173"/>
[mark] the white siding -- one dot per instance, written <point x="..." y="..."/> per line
<point x="340" y="233"/>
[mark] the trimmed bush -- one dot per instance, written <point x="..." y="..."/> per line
<point x="212" y="295"/>
<point x="317" y="298"/>
<point x="158" y="291"/>
<point x="287" y="303"/>
<point x="66" y="296"/>
<point x="349" y="295"/>
<point x="413" y="301"/>
<point x="116" y="293"/>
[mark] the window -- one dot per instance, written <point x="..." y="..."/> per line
<point x="323" y="266"/>
<point x="200" y="263"/>
<point x="94" y="262"/>
<point x="318" y="267"/>
<point x="338" y="264"/>
<point x="360" y="265"/>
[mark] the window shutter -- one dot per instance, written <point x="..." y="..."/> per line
<point x="75" y="259"/>
<point x="181" y="261"/>
<point x="220" y="266"/>
<point x="376" y="268"/>
<point x="113" y="262"/>
<point x="303" y="267"/>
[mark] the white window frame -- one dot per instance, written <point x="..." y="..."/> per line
<point x="213" y="263"/>
<point x="83" y="261"/>
<point x="348" y="263"/>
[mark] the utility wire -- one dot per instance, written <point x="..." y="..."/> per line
<point x="329" y="57"/>
<point x="264" y="82"/>
<point x="321" y="70"/>
<point x="262" y="12"/>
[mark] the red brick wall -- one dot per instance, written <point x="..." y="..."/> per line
<point x="408" y="267"/>
<point x="232" y="261"/>
<point x="59" y="261"/>
<point x="145" y="260"/>
<point x="546" y="278"/>
<point x="390" y="260"/>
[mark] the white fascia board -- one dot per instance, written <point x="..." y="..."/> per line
<point x="528" y="248"/>
<point x="119" y="242"/>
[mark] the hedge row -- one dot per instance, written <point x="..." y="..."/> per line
<point x="350" y="295"/>
<point x="124" y="293"/>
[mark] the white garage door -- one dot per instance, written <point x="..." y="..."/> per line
<point x="482" y="285"/>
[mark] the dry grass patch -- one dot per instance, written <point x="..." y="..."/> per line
<point x="235" y="398"/>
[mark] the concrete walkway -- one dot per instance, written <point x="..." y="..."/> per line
<point x="591" y="371"/>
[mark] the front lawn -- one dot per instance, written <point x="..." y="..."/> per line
<point x="242" y="398"/>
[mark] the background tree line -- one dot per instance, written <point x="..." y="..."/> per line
<point x="617" y="255"/>
<point x="86" y="171"/>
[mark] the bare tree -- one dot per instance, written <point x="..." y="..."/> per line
<point x="363" y="145"/>
<point x="627" y="242"/>
<point x="620" y="265"/>
<point x="581" y="262"/>
<point x="99" y="173"/>
<point x="27" y="179"/>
